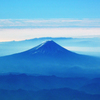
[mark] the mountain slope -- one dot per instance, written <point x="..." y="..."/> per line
<point x="49" y="58"/>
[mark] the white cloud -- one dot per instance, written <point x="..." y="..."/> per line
<point x="84" y="49"/>
<point x="29" y="23"/>
<point x="28" y="33"/>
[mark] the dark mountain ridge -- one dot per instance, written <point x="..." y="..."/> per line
<point x="35" y="83"/>
<point x="53" y="94"/>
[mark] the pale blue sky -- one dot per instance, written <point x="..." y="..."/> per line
<point x="33" y="9"/>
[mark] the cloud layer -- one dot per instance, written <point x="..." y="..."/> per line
<point x="49" y="23"/>
<point x="20" y="29"/>
<point x="28" y="33"/>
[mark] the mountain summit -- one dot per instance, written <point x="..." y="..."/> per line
<point x="48" y="47"/>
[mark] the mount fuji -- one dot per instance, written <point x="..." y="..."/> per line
<point x="49" y="58"/>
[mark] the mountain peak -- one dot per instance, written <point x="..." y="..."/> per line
<point x="48" y="47"/>
<point x="49" y="43"/>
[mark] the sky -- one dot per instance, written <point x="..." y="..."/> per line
<point x="24" y="19"/>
